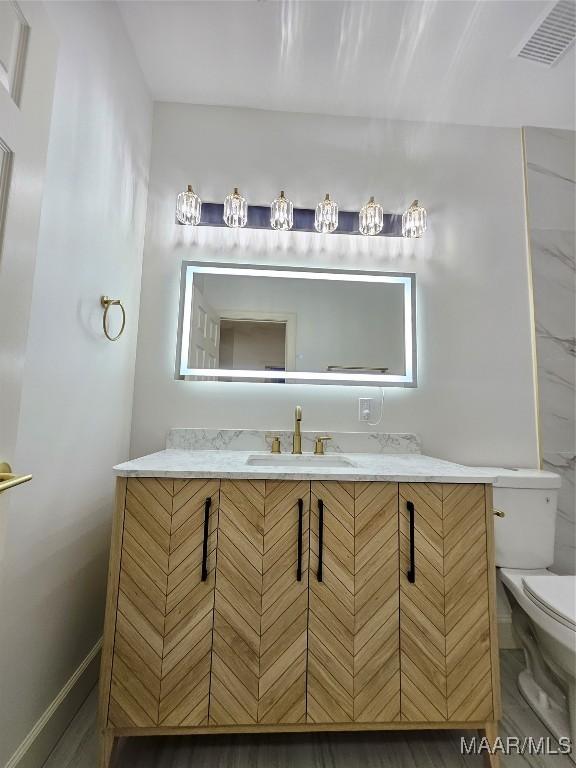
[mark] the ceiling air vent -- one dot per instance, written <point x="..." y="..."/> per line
<point x="553" y="35"/>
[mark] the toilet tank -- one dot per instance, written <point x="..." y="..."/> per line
<point x="524" y="537"/>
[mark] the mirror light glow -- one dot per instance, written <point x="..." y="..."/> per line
<point x="407" y="280"/>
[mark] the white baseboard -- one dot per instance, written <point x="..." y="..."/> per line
<point x="39" y="743"/>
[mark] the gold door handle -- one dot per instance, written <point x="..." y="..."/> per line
<point x="498" y="512"/>
<point x="8" y="479"/>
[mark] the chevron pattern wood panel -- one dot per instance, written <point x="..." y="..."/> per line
<point x="376" y="604"/>
<point x="468" y="659"/>
<point x="330" y="689"/>
<point x="284" y="620"/>
<point x="138" y="642"/>
<point x="187" y="649"/>
<point x="422" y="622"/>
<point x="235" y="678"/>
<point x="445" y="622"/>
<point x="252" y="644"/>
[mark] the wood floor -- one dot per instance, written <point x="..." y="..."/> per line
<point x="78" y="748"/>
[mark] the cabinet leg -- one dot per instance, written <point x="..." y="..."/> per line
<point x="106" y="748"/>
<point x="491" y="732"/>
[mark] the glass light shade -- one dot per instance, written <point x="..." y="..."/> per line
<point x="235" y="210"/>
<point x="188" y="207"/>
<point x="326" y="219"/>
<point x="414" y="221"/>
<point x="371" y="219"/>
<point x="281" y="213"/>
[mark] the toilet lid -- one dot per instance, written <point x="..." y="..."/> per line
<point x="556" y="595"/>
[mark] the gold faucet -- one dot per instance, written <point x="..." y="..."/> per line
<point x="297" y="437"/>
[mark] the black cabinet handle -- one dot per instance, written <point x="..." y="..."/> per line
<point x="411" y="574"/>
<point x="207" y="505"/>
<point x="300" y="525"/>
<point x="320" y="537"/>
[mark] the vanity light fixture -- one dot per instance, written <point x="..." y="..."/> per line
<point x="281" y="213"/>
<point x="188" y="207"/>
<point x="326" y="219"/>
<point x="414" y="220"/>
<point x="371" y="218"/>
<point x="235" y="210"/>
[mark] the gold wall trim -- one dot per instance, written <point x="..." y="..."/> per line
<point x="531" y="301"/>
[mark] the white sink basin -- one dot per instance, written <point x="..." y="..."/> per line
<point x="305" y="461"/>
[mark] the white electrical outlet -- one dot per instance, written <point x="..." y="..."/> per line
<point x="365" y="408"/>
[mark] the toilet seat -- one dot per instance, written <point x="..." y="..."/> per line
<point x="555" y="595"/>
<point x="539" y="609"/>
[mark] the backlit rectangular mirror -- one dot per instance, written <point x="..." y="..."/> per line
<point x="289" y="325"/>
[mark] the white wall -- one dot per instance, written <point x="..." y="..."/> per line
<point x="252" y="346"/>
<point x="475" y="400"/>
<point x="77" y="398"/>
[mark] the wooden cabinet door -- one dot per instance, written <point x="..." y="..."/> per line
<point x="187" y="648"/>
<point x="260" y="612"/>
<point x="422" y="625"/>
<point x="330" y="689"/>
<point x="446" y="670"/>
<point x="376" y="603"/>
<point x="234" y="688"/>
<point x="471" y="661"/>
<point x="163" y="632"/>
<point x="139" y="630"/>
<point x="284" y="627"/>
<point x="353" y="647"/>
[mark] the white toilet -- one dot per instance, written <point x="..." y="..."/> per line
<point x="543" y="603"/>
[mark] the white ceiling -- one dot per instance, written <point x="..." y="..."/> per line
<point x="436" y="60"/>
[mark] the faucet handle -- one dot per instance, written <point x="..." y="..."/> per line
<point x="319" y="444"/>
<point x="276" y="446"/>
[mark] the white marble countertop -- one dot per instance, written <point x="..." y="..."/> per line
<point x="180" y="463"/>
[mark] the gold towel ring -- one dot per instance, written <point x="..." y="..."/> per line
<point x="107" y="302"/>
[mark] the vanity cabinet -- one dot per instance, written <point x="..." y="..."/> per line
<point x="238" y="605"/>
